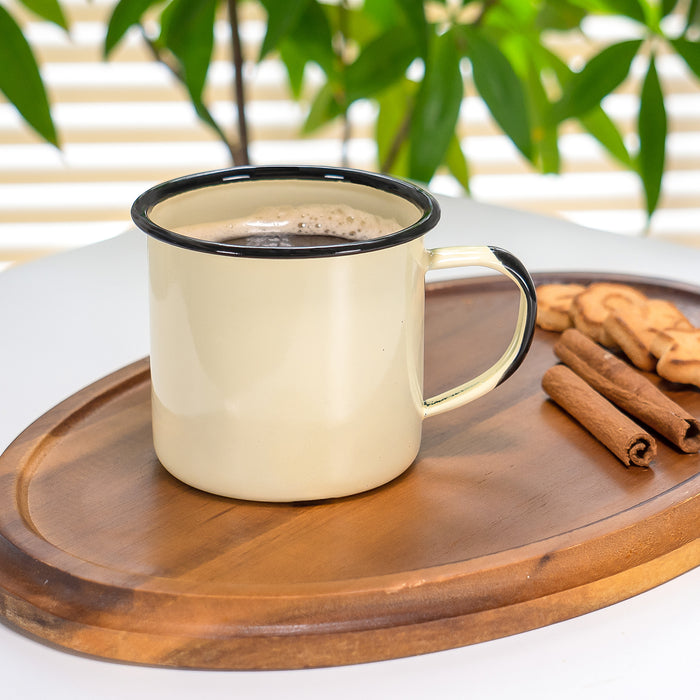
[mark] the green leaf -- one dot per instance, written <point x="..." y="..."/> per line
<point x="381" y="63"/>
<point x="282" y="17"/>
<point x="559" y="14"/>
<point x="692" y="16"/>
<point x="294" y="59"/>
<point x="352" y="20"/>
<point x="409" y="14"/>
<point x="204" y="114"/>
<point x="437" y="108"/>
<point x="596" y="121"/>
<point x="310" y="40"/>
<point x="545" y="139"/>
<point x="392" y="124"/>
<point x="652" y="136"/>
<point x="668" y="6"/>
<point x="551" y="61"/>
<point x="414" y="13"/>
<point x="457" y="164"/>
<point x="628" y="8"/>
<point x="546" y="144"/>
<point x="324" y="109"/>
<point x="383" y="12"/>
<point x="510" y="14"/>
<point x="600" y="76"/>
<point x="125" y="15"/>
<point x="502" y="91"/>
<point x="49" y="10"/>
<point x="599" y="125"/>
<point x="690" y="52"/>
<point x="22" y="84"/>
<point x="313" y="33"/>
<point x="188" y="31"/>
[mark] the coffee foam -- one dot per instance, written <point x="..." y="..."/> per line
<point x="307" y="219"/>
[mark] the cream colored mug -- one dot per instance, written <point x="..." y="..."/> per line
<point x="286" y="310"/>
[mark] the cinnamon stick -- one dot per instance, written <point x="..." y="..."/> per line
<point x="628" y="389"/>
<point x="622" y="436"/>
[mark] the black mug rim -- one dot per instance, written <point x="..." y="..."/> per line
<point x="144" y="203"/>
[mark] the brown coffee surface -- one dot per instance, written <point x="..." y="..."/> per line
<point x="286" y="240"/>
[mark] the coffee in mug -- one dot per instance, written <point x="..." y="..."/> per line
<point x="296" y="226"/>
<point x="287" y="319"/>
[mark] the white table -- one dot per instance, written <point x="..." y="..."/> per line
<point x="71" y="318"/>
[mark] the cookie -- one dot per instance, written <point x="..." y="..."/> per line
<point x="635" y="329"/>
<point x="679" y="359"/>
<point x="592" y="306"/>
<point x="554" y="305"/>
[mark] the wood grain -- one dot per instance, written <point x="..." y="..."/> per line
<point x="512" y="517"/>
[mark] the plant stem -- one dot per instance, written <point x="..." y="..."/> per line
<point x="240" y="153"/>
<point x="342" y="48"/>
<point x="399" y="139"/>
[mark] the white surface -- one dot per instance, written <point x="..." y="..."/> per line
<point x="69" y="319"/>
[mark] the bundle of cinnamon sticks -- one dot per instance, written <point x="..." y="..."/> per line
<point x="593" y="387"/>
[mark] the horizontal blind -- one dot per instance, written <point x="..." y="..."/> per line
<point x="125" y="124"/>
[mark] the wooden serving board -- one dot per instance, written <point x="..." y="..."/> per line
<point x="513" y="517"/>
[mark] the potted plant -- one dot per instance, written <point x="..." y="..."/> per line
<point x="412" y="59"/>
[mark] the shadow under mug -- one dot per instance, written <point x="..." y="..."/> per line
<point x="296" y="373"/>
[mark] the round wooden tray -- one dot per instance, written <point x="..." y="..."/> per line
<point x="512" y="517"/>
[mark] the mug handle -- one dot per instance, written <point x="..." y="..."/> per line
<point x="507" y="264"/>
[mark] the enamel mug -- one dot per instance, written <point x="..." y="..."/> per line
<point x="292" y="373"/>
